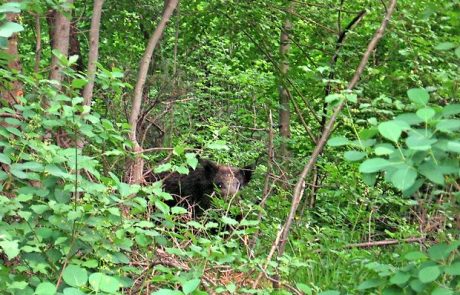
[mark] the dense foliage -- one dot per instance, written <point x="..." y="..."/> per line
<point x="379" y="215"/>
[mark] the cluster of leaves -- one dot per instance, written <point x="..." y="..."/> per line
<point x="425" y="143"/>
<point x="8" y="28"/>
<point x="437" y="273"/>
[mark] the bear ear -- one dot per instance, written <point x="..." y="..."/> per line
<point x="210" y="168"/>
<point x="247" y="173"/>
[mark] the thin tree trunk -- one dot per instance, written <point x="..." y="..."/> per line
<point x="14" y="90"/>
<point x="137" y="166"/>
<point x="38" y="41"/>
<point x="284" y="111"/>
<point x="93" y="51"/>
<point x="300" y="186"/>
<point x="60" y="41"/>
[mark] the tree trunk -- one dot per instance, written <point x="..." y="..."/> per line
<point x="13" y="92"/>
<point x="60" y="42"/>
<point x="284" y="111"/>
<point x="136" y="169"/>
<point x="93" y="50"/>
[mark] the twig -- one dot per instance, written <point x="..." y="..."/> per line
<point x="385" y="243"/>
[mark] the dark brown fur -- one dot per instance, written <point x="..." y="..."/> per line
<point x="195" y="188"/>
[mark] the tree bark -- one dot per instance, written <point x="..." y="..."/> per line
<point x="93" y="51"/>
<point x="300" y="186"/>
<point x="284" y="111"/>
<point x="136" y="169"/>
<point x="60" y="42"/>
<point x="13" y="91"/>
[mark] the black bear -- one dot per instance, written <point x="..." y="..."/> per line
<point x="195" y="188"/>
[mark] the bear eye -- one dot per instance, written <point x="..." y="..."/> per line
<point x="219" y="184"/>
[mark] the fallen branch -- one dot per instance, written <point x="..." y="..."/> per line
<point x="384" y="243"/>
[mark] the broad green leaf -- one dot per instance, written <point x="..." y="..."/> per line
<point x="369" y="284"/>
<point x="409" y="118"/>
<point x="33" y="166"/>
<point x="79" y="83"/>
<point x="373" y="165"/>
<point x="75" y="276"/>
<point x="404" y="177"/>
<point x="390" y="130"/>
<point x="10" y="7"/>
<point x="415" y="255"/>
<point x="178" y="210"/>
<point x="451" y="109"/>
<point x="192" y="161"/>
<point x="448" y="125"/>
<point x="72" y="291"/>
<point x="457" y="52"/>
<point x="163" y="168"/>
<point x="354" y="155"/>
<point x="384" y="149"/>
<point x="337" y="141"/>
<point x="400" y="278"/>
<point x="304" y="288"/>
<point x="442" y="291"/>
<point x="10" y="248"/>
<point x="445" y="46"/>
<point x="419" y="142"/>
<point x="7" y="29"/>
<point x="426" y="113"/>
<point x="181" y="169"/>
<point x="369" y="178"/>
<point x="432" y="172"/>
<point x="4" y="159"/>
<point x="103" y="282"/>
<point x="329" y="292"/>
<point x="453" y="269"/>
<point x="162" y="206"/>
<point x="218" y="145"/>
<point x="439" y="252"/>
<point x="416" y="285"/>
<point x="429" y="274"/>
<point x="45" y="288"/>
<point x="229" y="221"/>
<point x="418" y="96"/>
<point x="190" y="286"/>
<point x="16" y="170"/>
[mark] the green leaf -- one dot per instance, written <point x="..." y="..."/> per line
<point x="429" y="274"/>
<point x="432" y="172"/>
<point x="354" y="156"/>
<point x="192" y="161"/>
<point x="442" y="291"/>
<point x="16" y="170"/>
<point x="10" y="7"/>
<point x="457" y="52"/>
<point x="45" y="288"/>
<point x="218" y="145"/>
<point x="304" y="288"/>
<point x="373" y="165"/>
<point x="103" y="282"/>
<point x="337" y="141"/>
<point x="418" y="96"/>
<point x="426" y="113"/>
<point x="190" y="286"/>
<point x="419" y="142"/>
<point x="181" y="169"/>
<point x="79" y="83"/>
<point x="390" y="130"/>
<point x="400" y="278"/>
<point x="448" y="125"/>
<point x="417" y="286"/>
<point x="163" y="168"/>
<point x="72" y="291"/>
<point x="415" y="255"/>
<point x="75" y="276"/>
<point x="178" y="210"/>
<point x="229" y="221"/>
<point x="369" y="284"/>
<point x="4" y="159"/>
<point x="445" y="46"/>
<point x="7" y="29"/>
<point x="162" y="206"/>
<point x="384" y="149"/>
<point x="329" y="292"/>
<point x="10" y="248"/>
<point x="439" y="252"/>
<point x="453" y="269"/>
<point x="451" y="109"/>
<point x="404" y="177"/>
<point x="369" y="178"/>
